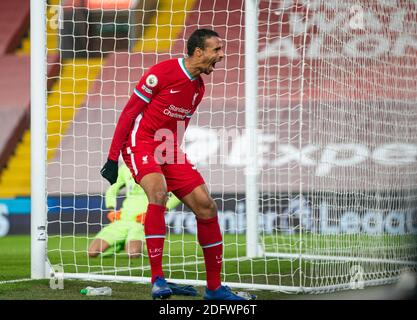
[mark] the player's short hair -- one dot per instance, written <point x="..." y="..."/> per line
<point x="198" y="40"/>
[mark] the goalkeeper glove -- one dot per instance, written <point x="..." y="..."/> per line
<point x="113" y="216"/>
<point x="141" y="218"/>
<point x="109" y="171"/>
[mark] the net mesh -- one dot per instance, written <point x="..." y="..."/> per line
<point x="337" y="137"/>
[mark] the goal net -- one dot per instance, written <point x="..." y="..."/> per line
<point x="336" y="133"/>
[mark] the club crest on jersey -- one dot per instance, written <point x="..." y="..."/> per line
<point x="151" y="80"/>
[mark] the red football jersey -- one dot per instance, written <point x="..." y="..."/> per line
<point x="163" y="102"/>
<point x="172" y="96"/>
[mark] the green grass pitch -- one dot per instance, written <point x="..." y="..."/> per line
<point x="183" y="259"/>
<point x="15" y="265"/>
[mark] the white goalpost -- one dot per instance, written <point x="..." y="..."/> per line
<point x="306" y="138"/>
<point x="38" y="137"/>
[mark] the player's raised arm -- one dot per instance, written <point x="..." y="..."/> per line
<point x="133" y="108"/>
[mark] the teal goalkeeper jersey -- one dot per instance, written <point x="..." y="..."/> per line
<point x="136" y="201"/>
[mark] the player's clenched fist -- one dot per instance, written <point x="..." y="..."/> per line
<point x="109" y="171"/>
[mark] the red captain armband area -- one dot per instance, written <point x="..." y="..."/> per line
<point x="133" y="108"/>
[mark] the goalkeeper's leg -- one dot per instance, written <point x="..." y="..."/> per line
<point x="109" y="240"/>
<point x="106" y="238"/>
<point x="97" y="246"/>
<point x="135" y="241"/>
<point x="134" y="248"/>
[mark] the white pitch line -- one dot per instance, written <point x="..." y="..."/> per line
<point x="16" y="280"/>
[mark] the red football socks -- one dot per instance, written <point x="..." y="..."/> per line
<point x="210" y="239"/>
<point x="155" y="237"/>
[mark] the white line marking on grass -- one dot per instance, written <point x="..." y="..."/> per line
<point x="16" y="280"/>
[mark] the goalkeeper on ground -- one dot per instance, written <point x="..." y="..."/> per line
<point x="126" y="227"/>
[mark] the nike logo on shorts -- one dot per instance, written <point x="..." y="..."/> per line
<point x="174" y="91"/>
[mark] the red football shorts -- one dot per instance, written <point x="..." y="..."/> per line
<point x="181" y="176"/>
